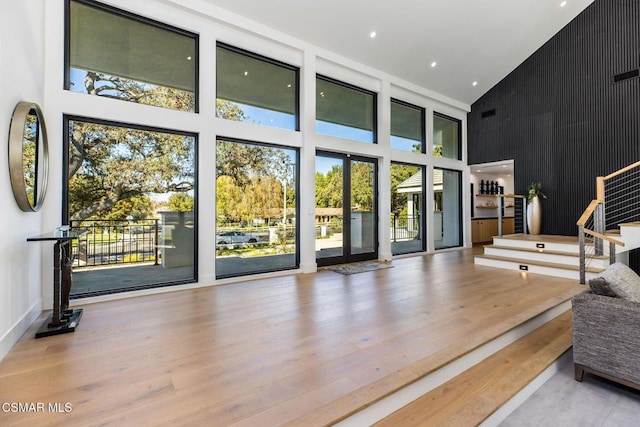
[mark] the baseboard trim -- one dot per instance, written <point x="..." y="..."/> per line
<point x="19" y="328"/>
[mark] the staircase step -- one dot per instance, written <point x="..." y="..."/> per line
<point x="552" y="252"/>
<point x="545" y="256"/>
<point x="538" y="267"/>
<point x="540" y="241"/>
<point x="471" y="397"/>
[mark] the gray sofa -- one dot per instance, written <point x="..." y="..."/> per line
<point x="606" y="338"/>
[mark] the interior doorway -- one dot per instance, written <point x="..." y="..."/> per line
<point x="346" y="208"/>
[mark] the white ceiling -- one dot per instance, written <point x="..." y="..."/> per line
<point x="471" y="40"/>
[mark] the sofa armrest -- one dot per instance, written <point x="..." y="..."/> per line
<point x="606" y="335"/>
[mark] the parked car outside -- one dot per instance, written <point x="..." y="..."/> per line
<point x="235" y="237"/>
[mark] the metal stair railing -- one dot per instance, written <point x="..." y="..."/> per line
<point x="617" y="201"/>
<point x="516" y="198"/>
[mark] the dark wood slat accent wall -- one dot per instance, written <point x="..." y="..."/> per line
<point x="560" y="115"/>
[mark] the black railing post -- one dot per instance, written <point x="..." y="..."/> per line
<point x="156" y="243"/>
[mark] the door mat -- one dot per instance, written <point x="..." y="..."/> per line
<point x="359" y="267"/>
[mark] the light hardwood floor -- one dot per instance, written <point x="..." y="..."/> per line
<point x="299" y="350"/>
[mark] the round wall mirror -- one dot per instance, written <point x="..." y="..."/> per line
<point x="28" y="156"/>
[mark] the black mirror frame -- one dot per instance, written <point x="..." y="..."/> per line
<point x="16" y="166"/>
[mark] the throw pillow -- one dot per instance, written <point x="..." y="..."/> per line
<point x="600" y="286"/>
<point x="623" y="281"/>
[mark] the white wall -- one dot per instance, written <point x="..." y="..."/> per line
<point x="21" y="79"/>
<point x="35" y="34"/>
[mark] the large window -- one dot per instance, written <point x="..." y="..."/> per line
<point x="115" y="54"/>
<point x="134" y="190"/>
<point x="407" y="208"/>
<point x="255" y="89"/>
<point x="407" y="127"/>
<point x="447" y="208"/>
<point x="345" y="111"/>
<point x="256" y="208"/>
<point x="447" y="137"/>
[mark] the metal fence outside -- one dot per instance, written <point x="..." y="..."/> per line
<point x="109" y="242"/>
<point x="405" y="227"/>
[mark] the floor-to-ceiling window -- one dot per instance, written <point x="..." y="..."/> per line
<point x="447" y="208"/>
<point x="132" y="186"/>
<point x="407" y="208"/>
<point x="256" y="208"/>
<point x="256" y="182"/>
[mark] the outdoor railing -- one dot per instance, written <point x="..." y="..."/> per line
<point x="405" y="227"/>
<point x="109" y="242"/>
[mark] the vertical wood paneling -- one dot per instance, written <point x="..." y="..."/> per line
<point x="560" y="116"/>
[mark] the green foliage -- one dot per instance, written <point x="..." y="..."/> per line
<point x="250" y="182"/>
<point x="329" y="188"/>
<point x="535" y="189"/>
<point x="181" y="202"/>
<point x="362" y="185"/>
<point x="111" y="163"/>
<point x="399" y="174"/>
<point x="125" y="89"/>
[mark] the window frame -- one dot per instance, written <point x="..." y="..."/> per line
<point x="423" y="205"/>
<point x="458" y="142"/>
<point x="374" y="109"/>
<point x="297" y="210"/>
<point x="270" y="61"/>
<point x="135" y="17"/>
<point x="423" y="118"/>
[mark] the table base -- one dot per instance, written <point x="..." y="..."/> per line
<point x="68" y="323"/>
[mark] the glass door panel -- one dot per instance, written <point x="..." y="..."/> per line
<point x="329" y="207"/>
<point x="363" y="221"/>
<point x="346" y="209"/>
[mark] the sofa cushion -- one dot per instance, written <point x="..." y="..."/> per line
<point x="600" y="286"/>
<point x="623" y="281"/>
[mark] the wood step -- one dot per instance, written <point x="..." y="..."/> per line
<point x="524" y="261"/>
<point x="546" y="251"/>
<point x="546" y="238"/>
<point x="630" y="224"/>
<point x="471" y="397"/>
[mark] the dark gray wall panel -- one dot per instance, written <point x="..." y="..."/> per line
<point x="561" y="117"/>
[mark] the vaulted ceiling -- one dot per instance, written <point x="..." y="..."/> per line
<point x="469" y="41"/>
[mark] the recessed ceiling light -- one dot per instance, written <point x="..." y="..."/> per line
<point x="474" y="84"/>
<point x="246" y="73"/>
<point x="433" y="64"/>
<point x="563" y="4"/>
<point x="372" y="34"/>
<point x="188" y="58"/>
